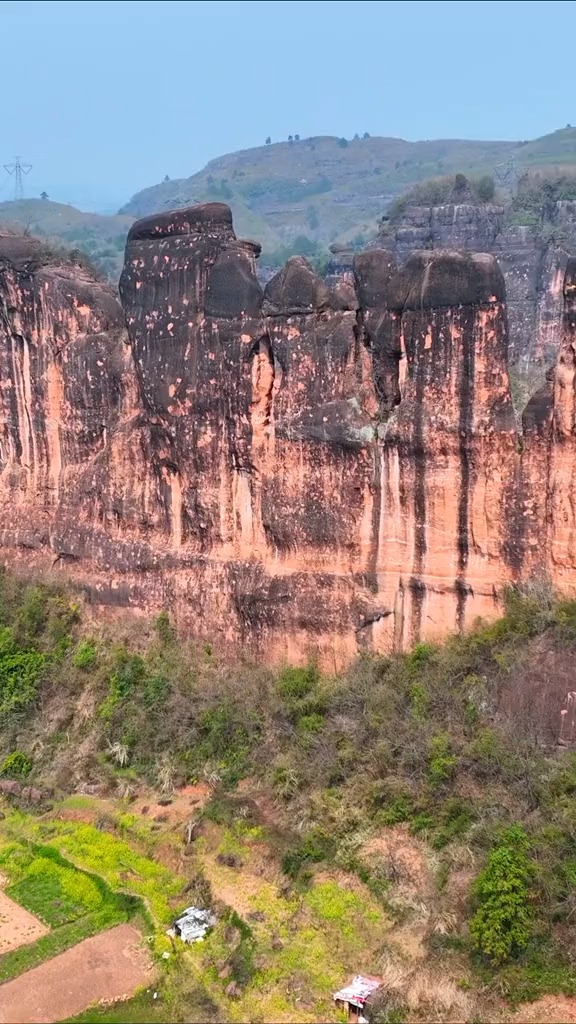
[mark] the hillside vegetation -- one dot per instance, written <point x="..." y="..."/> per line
<point x="412" y="817"/>
<point x="303" y="195"/>
<point x="445" y="189"/>
<point x="331" y="189"/>
<point x="100" y="237"/>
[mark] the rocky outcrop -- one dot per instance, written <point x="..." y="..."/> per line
<point x="532" y="260"/>
<point x="309" y="469"/>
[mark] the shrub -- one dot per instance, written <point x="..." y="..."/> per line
<point x="442" y="762"/>
<point x="502" y="924"/>
<point x="420" y="654"/>
<point x="312" y="723"/>
<point x="452" y="822"/>
<point x="19" y="674"/>
<point x="298" y="689"/>
<point x="130" y="671"/>
<point x="32" y="615"/>
<point x="295" y="683"/>
<point x="164" y="628"/>
<point x="16" y="765"/>
<point x="486" y="189"/>
<point x="419" y="702"/>
<point x="316" y="847"/>
<point x="225" y="738"/>
<point x="156" y="688"/>
<point x="85" y="655"/>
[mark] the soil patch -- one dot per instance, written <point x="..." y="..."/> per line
<point x="18" y="927"/>
<point x="105" y="968"/>
<point x="547" y="1010"/>
<point x="184" y="803"/>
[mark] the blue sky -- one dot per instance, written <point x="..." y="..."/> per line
<point x="104" y="98"/>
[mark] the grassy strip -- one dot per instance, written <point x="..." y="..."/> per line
<point x="141" y="1007"/>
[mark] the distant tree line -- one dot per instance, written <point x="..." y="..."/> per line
<point x="343" y="142"/>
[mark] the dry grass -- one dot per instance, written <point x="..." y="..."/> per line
<point x="426" y="991"/>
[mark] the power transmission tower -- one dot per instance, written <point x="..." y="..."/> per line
<point x="505" y="173"/>
<point x="18" y="169"/>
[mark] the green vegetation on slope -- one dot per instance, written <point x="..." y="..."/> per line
<point x="72" y="902"/>
<point x="451" y="747"/>
<point x="538" y="192"/>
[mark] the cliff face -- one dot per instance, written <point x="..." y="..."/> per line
<point x="533" y="265"/>
<point x="309" y="470"/>
<point x="66" y="377"/>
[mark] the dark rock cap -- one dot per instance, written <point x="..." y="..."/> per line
<point x="295" y="289"/>
<point x="435" y="279"/>
<point x="205" y="218"/>
<point x="233" y="289"/>
<point x="373" y="271"/>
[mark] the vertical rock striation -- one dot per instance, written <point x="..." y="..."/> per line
<point x="445" y="448"/>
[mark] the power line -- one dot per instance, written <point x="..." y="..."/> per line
<point x="18" y="169"/>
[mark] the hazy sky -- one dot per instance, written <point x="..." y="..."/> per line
<point x="104" y="98"/>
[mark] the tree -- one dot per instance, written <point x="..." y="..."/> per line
<point x="44" y="195"/>
<point x="485" y="188"/>
<point x="166" y="177"/>
<point x="356" y="136"/>
<point x="502" y="924"/>
<point x="312" y="218"/>
<point x="342" y="143"/>
<point x="268" y="140"/>
<point x="304" y="246"/>
<point x="366" y="135"/>
<point x="290" y="138"/>
<point x="296" y="138"/>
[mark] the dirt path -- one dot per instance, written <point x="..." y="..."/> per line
<point x="108" y="966"/>
<point x="17" y="926"/>
<point x="546" y="1010"/>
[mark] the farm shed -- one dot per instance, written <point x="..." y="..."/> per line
<point x="352" y="999"/>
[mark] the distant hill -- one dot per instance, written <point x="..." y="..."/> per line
<point x="100" y="237"/>
<point x="310" y="191"/>
<point x="333" y="190"/>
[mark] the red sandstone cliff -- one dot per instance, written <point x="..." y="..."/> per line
<point x="308" y="470"/>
